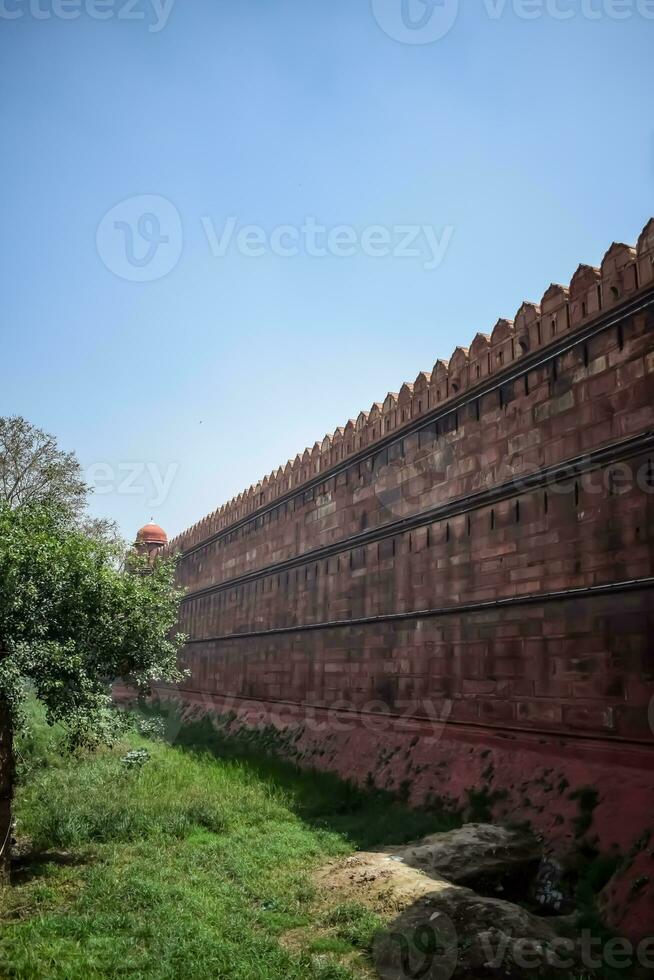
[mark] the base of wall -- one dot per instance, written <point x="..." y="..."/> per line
<point x="575" y="793"/>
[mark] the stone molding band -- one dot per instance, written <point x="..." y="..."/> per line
<point x="617" y="451"/>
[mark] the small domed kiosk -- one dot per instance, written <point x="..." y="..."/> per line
<point x="150" y="540"/>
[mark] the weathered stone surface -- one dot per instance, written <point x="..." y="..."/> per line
<point x="475" y="850"/>
<point x="454" y="933"/>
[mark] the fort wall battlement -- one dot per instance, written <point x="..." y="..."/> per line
<point x="623" y="272"/>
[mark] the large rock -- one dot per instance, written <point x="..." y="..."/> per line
<point x="452" y="932"/>
<point x="440" y="929"/>
<point x="473" y="851"/>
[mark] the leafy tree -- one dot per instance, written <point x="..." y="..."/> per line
<point x="73" y="619"/>
<point x="33" y="470"/>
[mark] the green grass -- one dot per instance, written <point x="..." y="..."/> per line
<point x="355" y="925"/>
<point x="192" y="865"/>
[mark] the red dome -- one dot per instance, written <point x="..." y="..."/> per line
<point x="152" y="534"/>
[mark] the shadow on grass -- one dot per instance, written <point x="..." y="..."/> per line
<point x="33" y="864"/>
<point x="367" y="817"/>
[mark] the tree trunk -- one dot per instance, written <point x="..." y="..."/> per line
<point x="6" y="788"/>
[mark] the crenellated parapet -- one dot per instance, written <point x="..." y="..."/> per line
<point x="502" y="344"/>
<point x="554" y="312"/>
<point x="645" y="255"/>
<point x="619" y="274"/>
<point x="458" y="373"/>
<point x="585" y="295"/>
<point x="439" y="382"/>
<point x="623" y="271"/>
<point x="479" y="357"/>
<point x="527" y="327"/>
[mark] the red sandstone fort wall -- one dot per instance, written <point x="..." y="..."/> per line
<point x="476" y="549"/>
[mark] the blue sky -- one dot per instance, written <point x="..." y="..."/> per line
<point x="527" y="143"/>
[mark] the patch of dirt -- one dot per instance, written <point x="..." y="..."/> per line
<point x="376" y="879"/>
